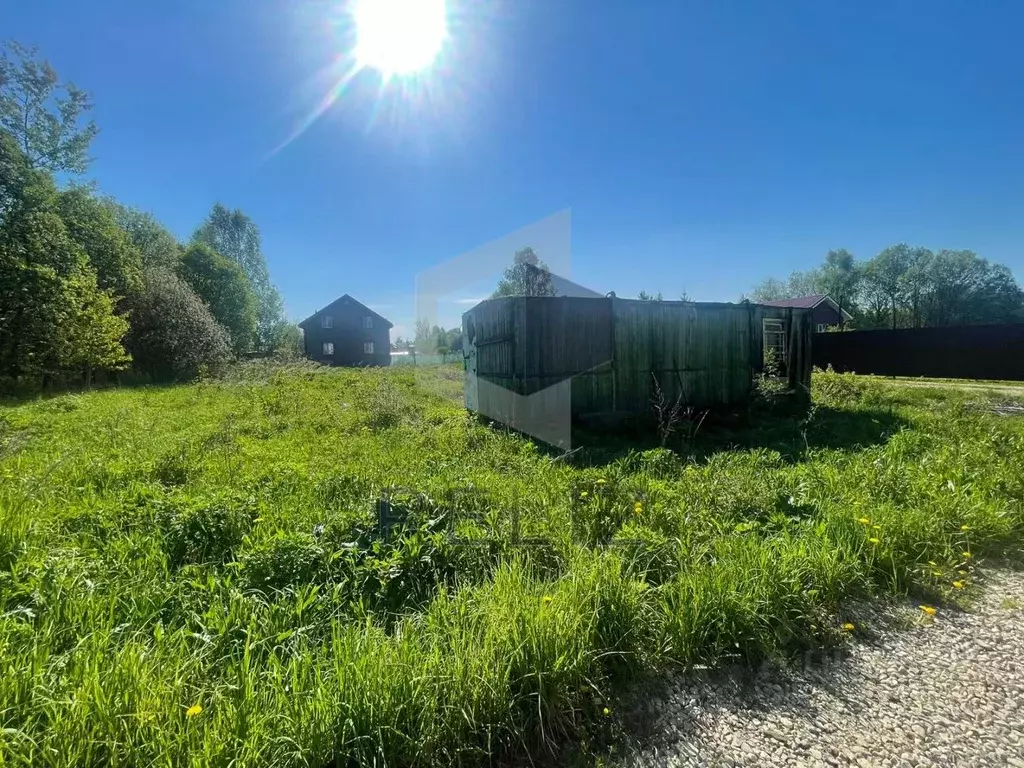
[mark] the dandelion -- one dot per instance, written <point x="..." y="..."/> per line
<point x="873" y="540"/>
<point x="638" y="508"/>
<point x="194" y="710"/>
<point x="958" y="585"/>
<point x="965" y="527"/>
<point x="966" y="555"/>
<point x="864" y="521"/>
<point x="546" y="599"/>
<point x="848" y="627"/>
<point x="584" y="495"/>
<point x="606" y="711"/>
<point x="928" y="610"/>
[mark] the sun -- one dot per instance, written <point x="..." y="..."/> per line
<point x="399" y="37"/>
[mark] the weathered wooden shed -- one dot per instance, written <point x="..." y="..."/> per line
<point x="602" y="356"/>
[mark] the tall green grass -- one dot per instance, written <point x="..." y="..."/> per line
<point x="213" y="549"/>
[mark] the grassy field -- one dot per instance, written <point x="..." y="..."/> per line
<point x="196" y="575"/>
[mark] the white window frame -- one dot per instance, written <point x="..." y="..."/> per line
<point x="774" y="336"/>
<point x="326" y="322"/>
<point x="367" y="347"/>
<point x="328" y="348"/>
<point x="367" y="322"/>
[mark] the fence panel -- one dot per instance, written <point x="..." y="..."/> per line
<point x="961" y="352"/>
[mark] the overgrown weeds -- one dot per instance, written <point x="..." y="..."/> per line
<point x="221" y="550"/>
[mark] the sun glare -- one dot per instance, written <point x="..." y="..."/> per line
<point x="399" y="37"/>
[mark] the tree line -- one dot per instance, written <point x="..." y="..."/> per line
<point x="908" y="287"/>
<point x="91" y="286"/>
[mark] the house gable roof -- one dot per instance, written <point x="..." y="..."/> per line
<point x="346" y="299"/>
<point x="809" y="302"/>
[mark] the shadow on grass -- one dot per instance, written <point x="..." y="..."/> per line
<point x="793" y="435"/>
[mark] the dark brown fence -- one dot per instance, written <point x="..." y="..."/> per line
<point x="962" y="352"/>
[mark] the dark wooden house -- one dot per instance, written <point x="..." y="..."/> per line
<point x="346" y="332"/>
<point x="533" y="360"/>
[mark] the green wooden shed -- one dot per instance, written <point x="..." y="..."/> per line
<point x="604" y="356"/>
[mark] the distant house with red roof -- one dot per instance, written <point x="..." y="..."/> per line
<point x="826" y="312"/>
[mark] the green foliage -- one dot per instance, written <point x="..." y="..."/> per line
<point x="173" y="335"/>
<point x="42" y="114"/>
<point x="54" y="318"/>
<point x="157" y="247"/>
<point x="217" y="545"/>
<point x="236" y="236"/>
<point x="113" y="255"/>
<point x="528" y="276"/>
<point x="286" y="341"/>
<point x="222" y="284"/>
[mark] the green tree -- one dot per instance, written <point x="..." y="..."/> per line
<point x="157" y="247"/>
<point x="222" y="284"/>
<point x="111" y="252"/>
<point x="770" y="289"/>
<point x="54" y="317"/>
<point x="839" y="277"/>
<point x="43" y="114"/>
<point x="287" y="341"/>
<point x="173" y="335"/>
<point x="528" y="276"/>
<point x="236" y="236"/>
<point x="645" y="296"/>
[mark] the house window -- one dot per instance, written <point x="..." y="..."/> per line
<point x="368" y="323"/>
<point x="367" y="347"/>
<point x="328" y="347"/>
<point x="820" y="328"/>
<point x="774" y="341"/>
<point x="326" y="321"/>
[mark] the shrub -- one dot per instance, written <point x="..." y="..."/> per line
<point x="286" y="559"/>
<point x="205" y="532"/>
<point x="173" y="336"/>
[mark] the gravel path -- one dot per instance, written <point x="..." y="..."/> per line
<point x="949" y="692"/>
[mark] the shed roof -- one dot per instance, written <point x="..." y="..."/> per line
<point x="810" y="301"/>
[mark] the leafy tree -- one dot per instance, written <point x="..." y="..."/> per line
<point x="157" y="247"/>
<point x="236" y="236"/>
<point x="43" y="114"/>
<point x="885" y="284"/>
<point x="54" y="317"/>
<point x="770" y="289"/>
<point x="222" y="284"/>
<point x="840" y="278"/>
<point x="173" y="335"/>
<point x="111" y="252"/>
<point x="287" y="341"/>
<point x="528" y="276"/>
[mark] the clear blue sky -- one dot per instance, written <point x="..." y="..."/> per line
<point x="700" y="146"/>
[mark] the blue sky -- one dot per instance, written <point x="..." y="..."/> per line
<point x="699" y="146"/>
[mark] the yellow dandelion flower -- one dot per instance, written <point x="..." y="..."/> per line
<point x="194" y="710"/>
<point x="967" y="555"/>
<point x="958" y="584"/>
<point x="873" y="540"/>
<point x="638" y="507"/>
<point x="848" y="627"/>
<point x="584" y="495"/>
<point x="965" y="527"/>
<point x="864" y="521"/>
<point x="606" y="711"/>
<point x="928" y="609"/>
<point x="546" y="599"/>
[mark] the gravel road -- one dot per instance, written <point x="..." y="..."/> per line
<point x="949" y="692"/>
